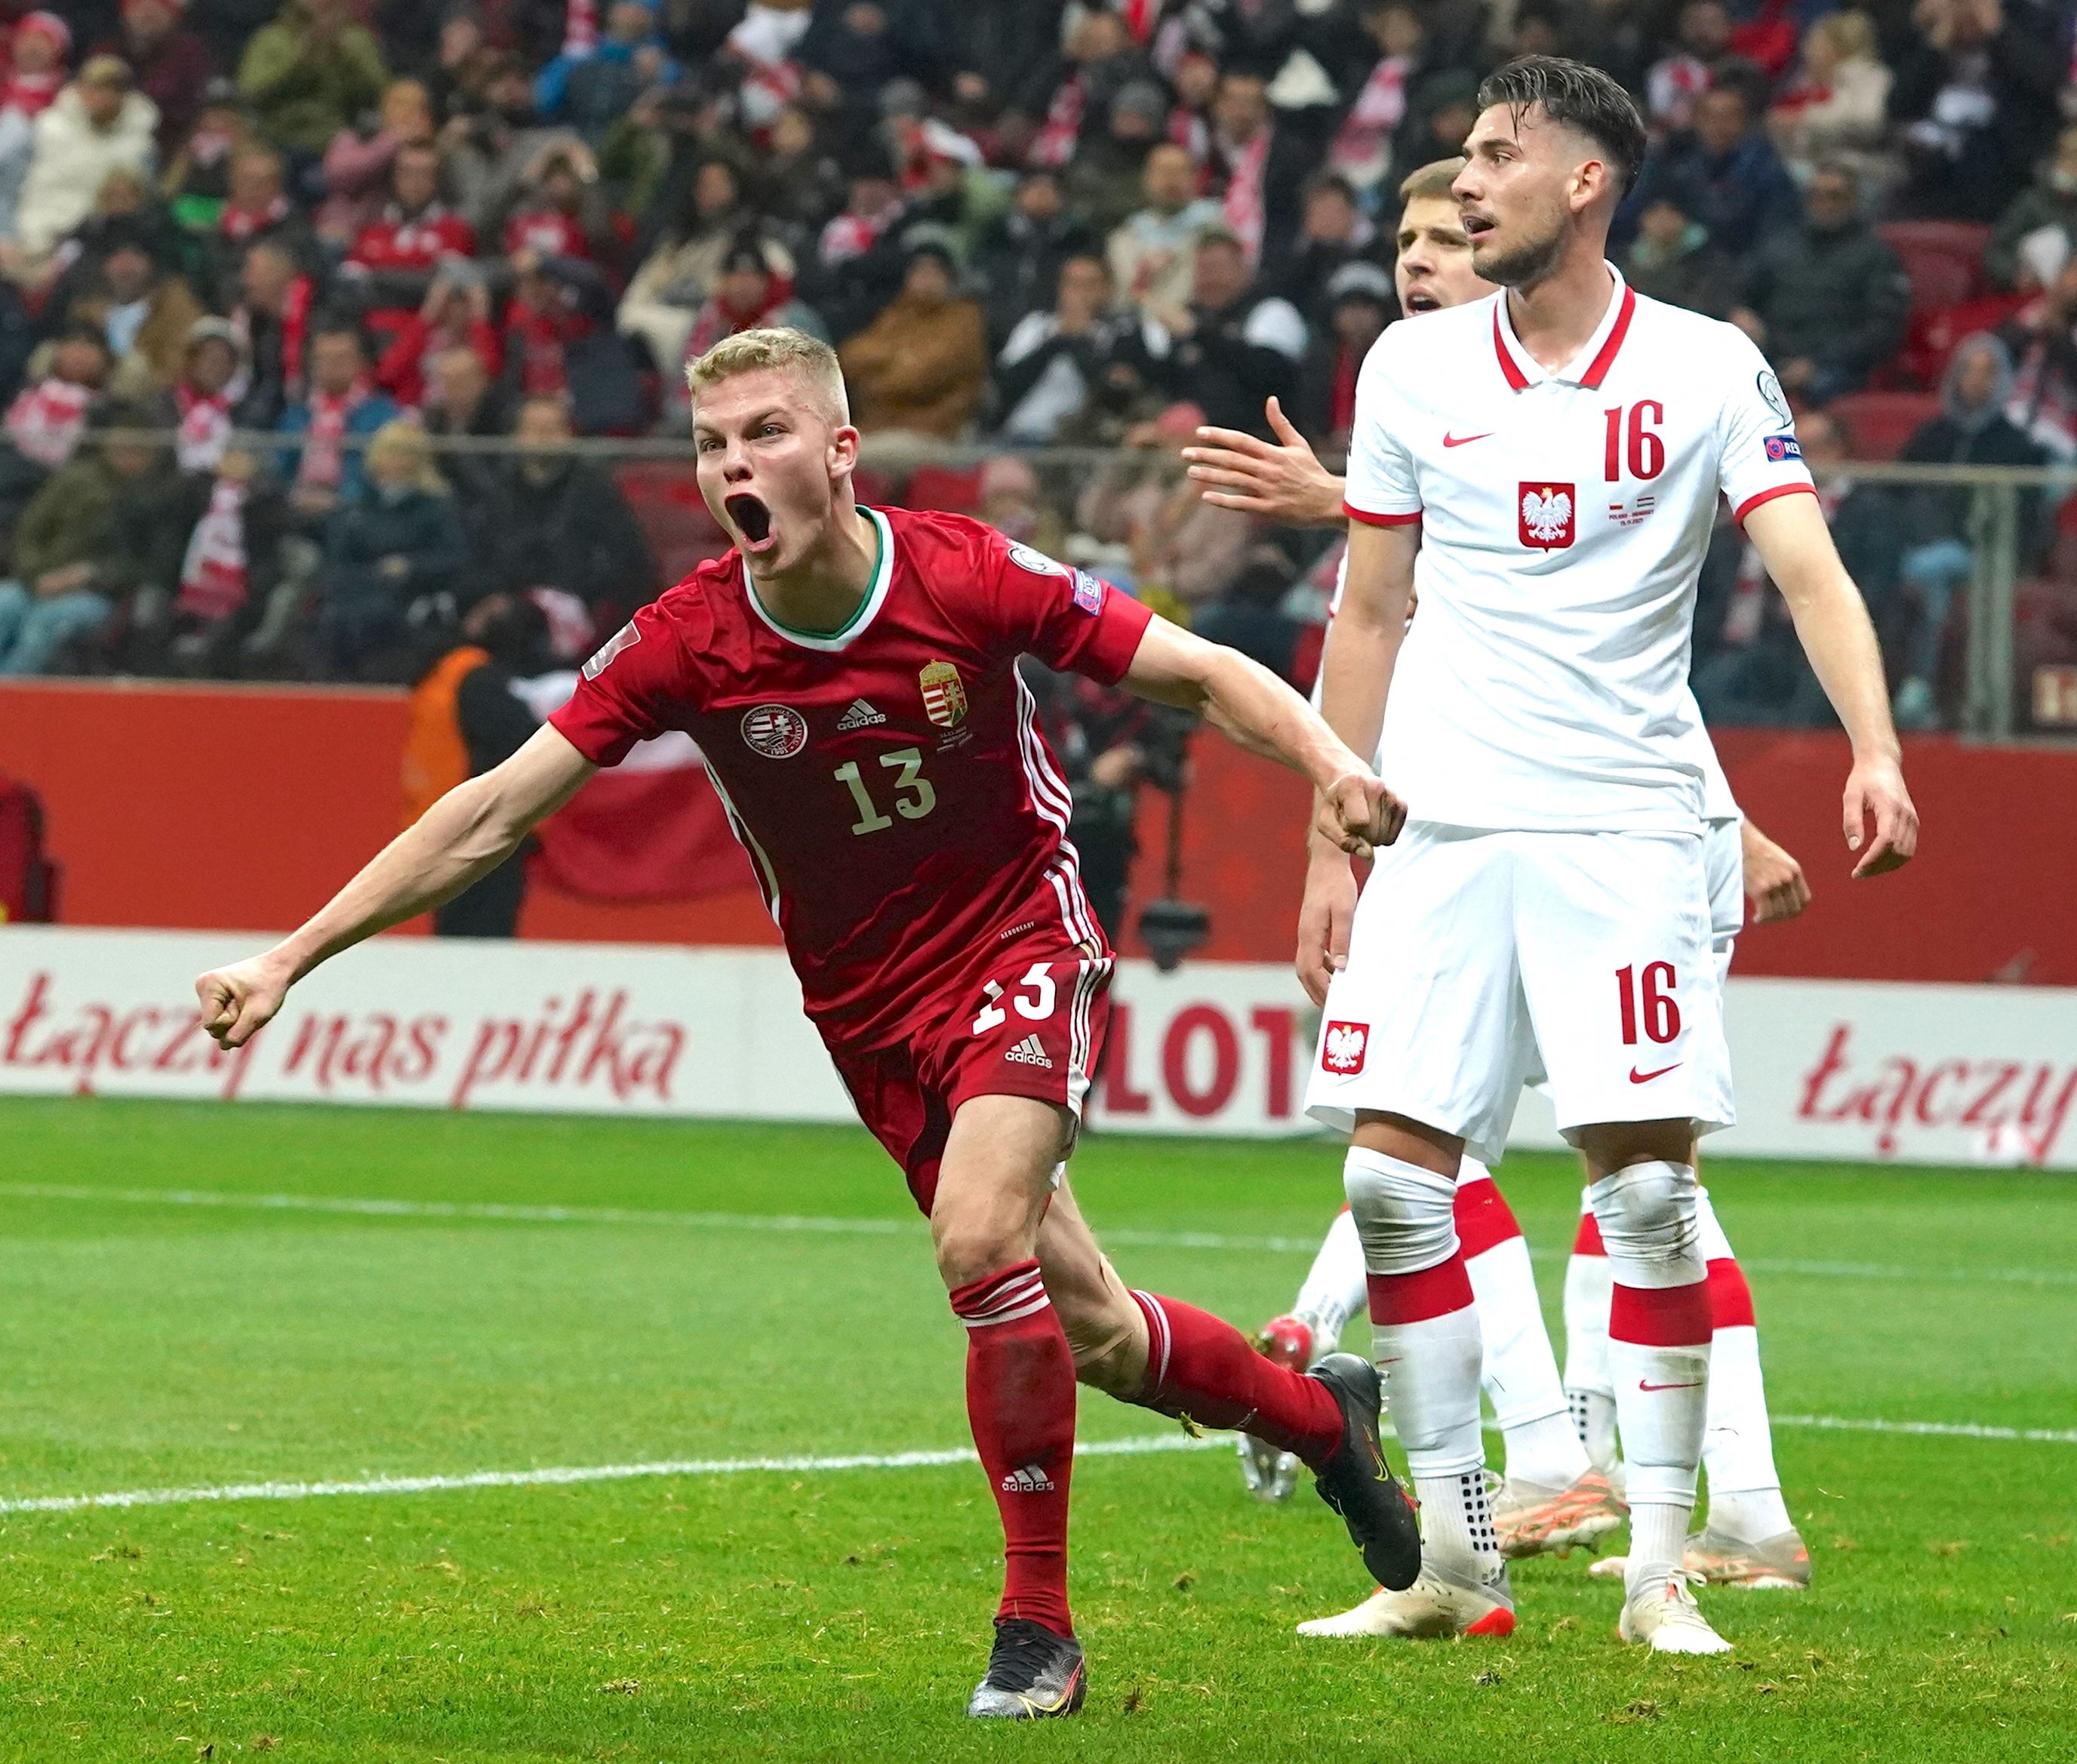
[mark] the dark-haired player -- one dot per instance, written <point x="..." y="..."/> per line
<point x="850" y="675"/>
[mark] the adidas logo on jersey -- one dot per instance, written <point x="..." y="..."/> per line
<point x="1029" y="1051"/>
<point x="1028" y="1479"/>
<point x="860" y="715"/>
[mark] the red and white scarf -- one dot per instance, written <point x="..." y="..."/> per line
<point x="240" y="224"/>
<point x="32" y="93"/>
<point x="323" y="463"/>
<point x="204" y="426"/>
<point x="581" y="29"/>
<point x="46" y="420"/>
<point x="1189" y="131"/>
<point x="1363" y="143"/>
<point x="1062" y="129"/>
<point x="1243" y="204"/>
<point x="212" y="574"/>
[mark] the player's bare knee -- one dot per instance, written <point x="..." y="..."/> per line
<point x="970" y="1249"/>
<point x="1406" y="1216"/>
<point x="1649" y="1221"/>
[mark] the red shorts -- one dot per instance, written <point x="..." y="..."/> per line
<point x="1033" y="1028"/>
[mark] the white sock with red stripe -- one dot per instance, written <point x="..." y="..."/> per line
<point x="1337" y="1285"/>
<point x="1519" y="1371"/>
<point x="1658" y="1353"/>
<point x="1737" y="1450"/>
<point x="1425" y="1334"/>
<point x="1589" y="1388"/>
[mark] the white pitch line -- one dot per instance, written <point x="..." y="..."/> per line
<point x="569" y="1476"/>
<point x="517" y="1213"/>
<point x="565" y="1475"/>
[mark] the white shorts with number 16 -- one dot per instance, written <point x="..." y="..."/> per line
<point x="1477" y="958"/>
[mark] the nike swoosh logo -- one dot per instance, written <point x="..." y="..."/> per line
<point x="1693" y="1384"/>
<point x="1450" y="440"/>
<point x="1637" y="1077"/>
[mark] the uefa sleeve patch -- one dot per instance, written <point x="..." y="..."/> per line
<point x="1025" y="558"/>
<point x="1783" y="447"/>
<point x="1089" y="593"/>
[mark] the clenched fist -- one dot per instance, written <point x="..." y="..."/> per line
<point x="239" y="1000"/>
<point x="1358" y="812"/>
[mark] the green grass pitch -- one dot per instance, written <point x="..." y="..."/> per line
<point x="841" y="1614"/>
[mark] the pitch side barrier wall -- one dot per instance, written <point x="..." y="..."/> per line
<point x="1826" y="1069"/>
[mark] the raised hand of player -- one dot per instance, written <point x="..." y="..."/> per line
<point x="239" y="1000"/>
<point x="1358" y="812"/>
<point x="1330" y="908"/>
<point x="1284" y="483"/>
<point x="1875" y="792"/>
<point x="1774" y="880"/>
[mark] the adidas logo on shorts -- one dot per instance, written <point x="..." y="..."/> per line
<point x="1030" y="1052"/>
<point x="1028" y="1479"/>
<point x="860" y="715"/>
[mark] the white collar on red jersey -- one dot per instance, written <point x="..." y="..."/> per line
<point x="1590" y="367"/>
<point x="868" y="608"/>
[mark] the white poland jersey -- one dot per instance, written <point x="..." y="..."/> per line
<point x="1564" y="515"/>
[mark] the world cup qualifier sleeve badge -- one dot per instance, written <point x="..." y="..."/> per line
<point x="944" y="695"/>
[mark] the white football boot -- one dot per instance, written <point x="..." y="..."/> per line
<point x="1665" y="1618"/>
<point x="1442" y="1602"/>
<point x="1533" y="1519"/>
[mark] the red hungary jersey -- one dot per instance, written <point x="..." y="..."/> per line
<point x="906" y="820"/>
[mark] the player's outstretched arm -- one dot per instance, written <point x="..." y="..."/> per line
<point x="1284" y="482"/>
<point x="1774" y="880"/>
<point x="1832" y="621"/>
<point x="464" y="836"/>
<point x="1254" y="709"/>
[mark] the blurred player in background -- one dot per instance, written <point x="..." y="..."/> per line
<point x="850" y="676"/>
<point x="1545" y="465"/>
<point x="1562" y="1480"/>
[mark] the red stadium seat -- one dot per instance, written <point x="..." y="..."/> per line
<point x="666" y="500"/>
<point x="1944" y="259"/>
<point x="1933" y="335"/>
<point x="955" y="490"/>
<point x="1879" y="423"/>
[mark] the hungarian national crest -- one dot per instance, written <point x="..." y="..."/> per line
<point x="1546" y="516"/>
<point x="944" y="694"/>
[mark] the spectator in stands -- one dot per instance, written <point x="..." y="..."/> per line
<point x="1334" y="233"/>
<point x="231" y="529"/>
<point x="559" y="342"/>
<point x="488" y="151"/>
<point x="35" y="72"/>
<point x="1444" y="107"/>
<point x="1054" y="362"/>
<point x="342" y="402"/>
<point x="679" y="276"/>
<point x="1975" y="99"/>
<point x="859" y="262"/>
<point x="560" y="209"/>
<point x="2033" y="237"/>
<point x="96" y="126"/>
<point x="1102" y="184"/>
<point x="1971" y="429"/>
<point x="359" y="161"/>
<point x="562" y="522"/>
<point x="213" y="380"/>
<point x="393" y="557"/>
<point x="1180" y="545"/>
<point x="467" y="717"/>
<point x="1102" y="61"/>
<point x="1234" y="348"/>
<point x="851" y="51"/>
<point x="755" y="289"/>
<point x="920" y="368"/>
<point x="257" y="207"/>
<point x="274" y="314"/>
<point x="2041" y="340"/>
<point x="462" y="399"/>
<point x="588" y="90"/>
<point x="310" y="73"/>
<point x="1019" y="255"/>
<point x="1672" y="260"/>
<point x="1361" y="151"/>
<point x="1702" y="37"/>
<point x="1152" y="252"/>
<point x="1258" y="164"/>
<point x="454" y="314"/>
<point x="169" y="62"/>
<point x="195" y="184"/>
<point x="77" y="549"/>
<point x="394" y="257"/>
<point x="1723" y="172"/>
<point x="1835" y="110"/>
<point x="1826" y="300"/>
<point x="47" y="418"/>
<point x="144" y="314"/>
<point x="801" y="185"/>
<point x="1359" y="304"/>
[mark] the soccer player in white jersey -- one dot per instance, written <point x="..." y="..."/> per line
<point x="1558" y="1437"/>
<point x="1543" y="467"/>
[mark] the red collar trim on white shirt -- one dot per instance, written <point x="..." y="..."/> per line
<point x="1597" y="369"/>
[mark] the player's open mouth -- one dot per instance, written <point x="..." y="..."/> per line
<point x="1420" y="300"/>
<point x="1475" y="225"/>
<point x="753" y="523"/>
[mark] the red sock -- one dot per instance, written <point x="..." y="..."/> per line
<point x="1201" y="1367"/>
<point x="1021" y="1405"/>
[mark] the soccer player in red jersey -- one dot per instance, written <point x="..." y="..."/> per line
<point x="850" y="674"/>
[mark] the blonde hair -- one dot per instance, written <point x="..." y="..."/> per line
<point x="1852" y="34"/>
<point x="1432" y="182"/>
<point x="405" y="442"/>
<point x="779" y="347"/>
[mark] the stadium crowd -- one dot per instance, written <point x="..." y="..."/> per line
<point x="372" y="228"/>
